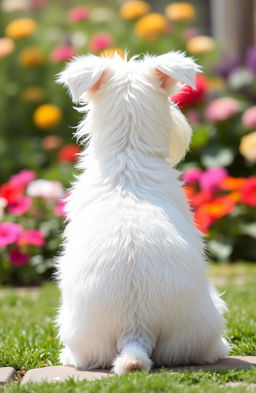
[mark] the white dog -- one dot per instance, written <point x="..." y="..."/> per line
<point x="132" y="272"/>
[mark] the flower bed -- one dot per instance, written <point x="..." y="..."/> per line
<point x="29" y="228"/>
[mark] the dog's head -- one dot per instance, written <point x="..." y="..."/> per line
<point x="133" y="96"/>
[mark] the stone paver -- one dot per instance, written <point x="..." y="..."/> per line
<point x="6" y="374"/>
<point x="60" y="373"/>
<point x="242" y="362"/>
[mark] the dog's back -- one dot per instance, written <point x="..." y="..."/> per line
<point x="132" y="273"/>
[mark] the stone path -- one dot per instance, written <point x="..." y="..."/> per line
<point x="60" y="373"/>
<point x="6" y="374"/>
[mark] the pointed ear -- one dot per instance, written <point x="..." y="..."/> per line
<point x="175" y="67"/>
<point x="81" y="74"/>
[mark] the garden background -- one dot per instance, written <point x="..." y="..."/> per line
<point x="37" y="121"/>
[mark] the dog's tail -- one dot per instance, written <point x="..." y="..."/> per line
<point x="133" y="357"/>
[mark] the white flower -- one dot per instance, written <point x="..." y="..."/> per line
<point x="15" y="5"/>
<point x="45" y="189"/>
<point x="240" y="77"/>
<point x="102" y="14"/>
<point x="79" y="39"/>
<point x="3" y="203"/>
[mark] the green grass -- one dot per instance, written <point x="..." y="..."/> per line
<point x="28" y="340"/>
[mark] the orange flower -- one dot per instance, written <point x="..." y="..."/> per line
<point x="180" y="12"/>
<point x="202" y="220"/>
<point x="20" y="28"/>
<point x="51" y="142"/>
<point x="232" y="183"/>
<point x="200" y="44"/>
<point x="33" y="94"/>
<point x="31" y="57"/>
<point x="6" y="47"/>
<point x="134" y="9"/>
<point x="235" y="196"/>
<point x="219" y="207"/>
<point x="110" y="52"/>
<point x="151" y="26"/>
<point x="248" y="146"/>
<point x="47" y="116"/>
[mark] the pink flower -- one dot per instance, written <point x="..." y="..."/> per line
<point x="31" y="236"/>
<point x="17" y="258"/>
<point x="78" y="14"/>
<point x="193" y="116"/>
<point x="36" y="4"/>
<point x="47" y="189"/>
<point x="249" y="117"/>
<point x="192" y="176"/>
<point x="100" y="41"/>
<point x="9" y="233"/>
<point x="62" y="53"/>
<point x="212" y="178"/>
<point x="21" y="206"/>
<point x="60" y="208"/>
<point x="22" y="178"/>
<point x="222" y="109"/>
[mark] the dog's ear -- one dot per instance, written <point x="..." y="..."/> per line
<point x="83" y="73"/>
<point x="174" y="67"/>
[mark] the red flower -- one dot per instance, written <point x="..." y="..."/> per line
<point x="188" y="96"/>
<point x="248" y="192"/>
<point x="199" y="198"/>
<point x="17" y="258"/>
<point x="69" y="153"/>
<point x="12" y="193"/>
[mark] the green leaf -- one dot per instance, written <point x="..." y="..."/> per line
<point x="200" y="138"/>
<point x="249" y="229"/>
<point x="216" y="156"/>
<point x="222" y="250"/>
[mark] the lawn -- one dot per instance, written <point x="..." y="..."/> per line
<point x="28" y="340"/>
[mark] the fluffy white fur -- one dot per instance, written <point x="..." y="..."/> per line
<point x="132" y="271"/>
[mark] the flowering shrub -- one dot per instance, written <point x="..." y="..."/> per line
<point x="224" y="208"/>
<point x="29" y="235"/>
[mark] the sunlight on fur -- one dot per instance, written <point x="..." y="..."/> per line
<point x="132" y="269"/>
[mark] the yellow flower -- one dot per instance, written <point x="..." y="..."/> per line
<point x="6" y="47"/>
<point x="110" y="52"/>
<point x="32" y="94"/>
<point x="248" y="146"/>
<point x="20" y="28"/>
<point x="47" y="116"/>
<point x="134" y="9"/>
<point x="31" y="57"/>
<point x="200" y="44"/>
<point x="180" y="12"/>
<point x="151" y="26"/>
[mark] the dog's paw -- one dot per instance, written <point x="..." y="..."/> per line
<point x="218" y="352"/>
<point x="66" y="358"/>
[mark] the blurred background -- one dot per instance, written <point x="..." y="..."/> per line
<point x="37" y="120"/>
